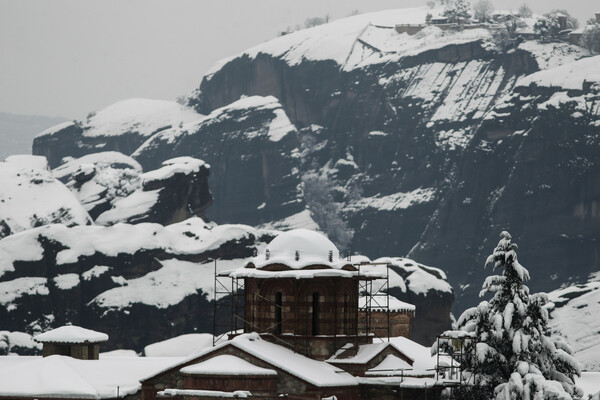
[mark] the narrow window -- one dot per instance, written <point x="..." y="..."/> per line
<point x="315" y="315"/>
<point x="345" y="322"/>
<point x="278" y="304"/>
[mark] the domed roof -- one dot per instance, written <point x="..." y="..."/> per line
<point x="306" y="242"/>
<point x="298" y="249"/>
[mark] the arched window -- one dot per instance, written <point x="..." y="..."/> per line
<point x="278" y="309"/>
<point x="315" y="313"/>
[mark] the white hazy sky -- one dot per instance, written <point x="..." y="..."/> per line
<point x="69" y="57"/>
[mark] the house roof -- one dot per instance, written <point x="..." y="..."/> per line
<point x="71" y="334"/>
<point x="365" y="353"/>
<point x="317" y="373"/>
<point x="226" y="364"/>
<point x="390" y="366"/>
<point x="66" y="377"/>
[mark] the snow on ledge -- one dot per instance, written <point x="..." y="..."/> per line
<point x="71" y="334"/>
<point x="179" y="165"/>
<point x="571" y="76"/>
<point x="238" y="394"/>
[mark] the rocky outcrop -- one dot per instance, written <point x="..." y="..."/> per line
<point x="427" y="288"/>
<point x="253" y="150"/>
<point x="121" y="127"/>
<point x="33" y="197"/>
<point x="173" y="193"/>
<point x="111" y="278"/>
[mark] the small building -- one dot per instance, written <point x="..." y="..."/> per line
<point x="73" y="341"/>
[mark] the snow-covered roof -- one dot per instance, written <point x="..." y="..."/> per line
<point x="297" y="249"/>
<point x="390" y="366"/>
<point x="180" y="346"/>
<point x="317" y="373"/>
<point x="71" y="334"/>
<point x="66" y="377"/>
<point x="423" y="361"/>
<point x="365" y="353"/>
<point x="226" y="364"/>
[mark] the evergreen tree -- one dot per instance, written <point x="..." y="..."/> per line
<point x="514" y="359"/>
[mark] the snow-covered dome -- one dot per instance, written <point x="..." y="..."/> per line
<point x="305" y="242"/>
<point x="297" y="249"/>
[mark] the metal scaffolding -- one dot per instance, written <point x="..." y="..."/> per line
<point x="229" y="304"/>
<point x="461" y="352"/>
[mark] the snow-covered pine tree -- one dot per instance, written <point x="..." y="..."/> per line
<point x="513" y="356"/>
<point x="458" y="10"/>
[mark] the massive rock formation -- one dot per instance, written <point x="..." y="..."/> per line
<point x="426" y="145"/>
<point x="121" y="127"/>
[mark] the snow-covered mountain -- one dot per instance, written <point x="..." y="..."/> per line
<point x="426" y="145"/>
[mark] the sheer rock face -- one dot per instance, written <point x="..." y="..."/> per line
<point x="429" y="170"/>
<point x="253" y="151"/>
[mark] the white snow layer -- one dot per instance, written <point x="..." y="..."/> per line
<point x="142" y="116"/>
<point x="179" y="165"/>
<point x="66" y="377"/>
<point x="569" y="76"/>
<point x="125" y="209"/>
<point x="33" y="197"/>
<point x="10" y="340"/>
<point x="180" y="346"/>
<point x="576" y="319"/>
<point x="298" y="249"/>
<point x="28" y="161"/>
<point x="359" y="40"/>
<point x="113" y="159"/>
<point x="187" y="237"/>
<point x="312" y="371"/>
<point x="279" y="127"/>
<point x="71" y="334"/>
